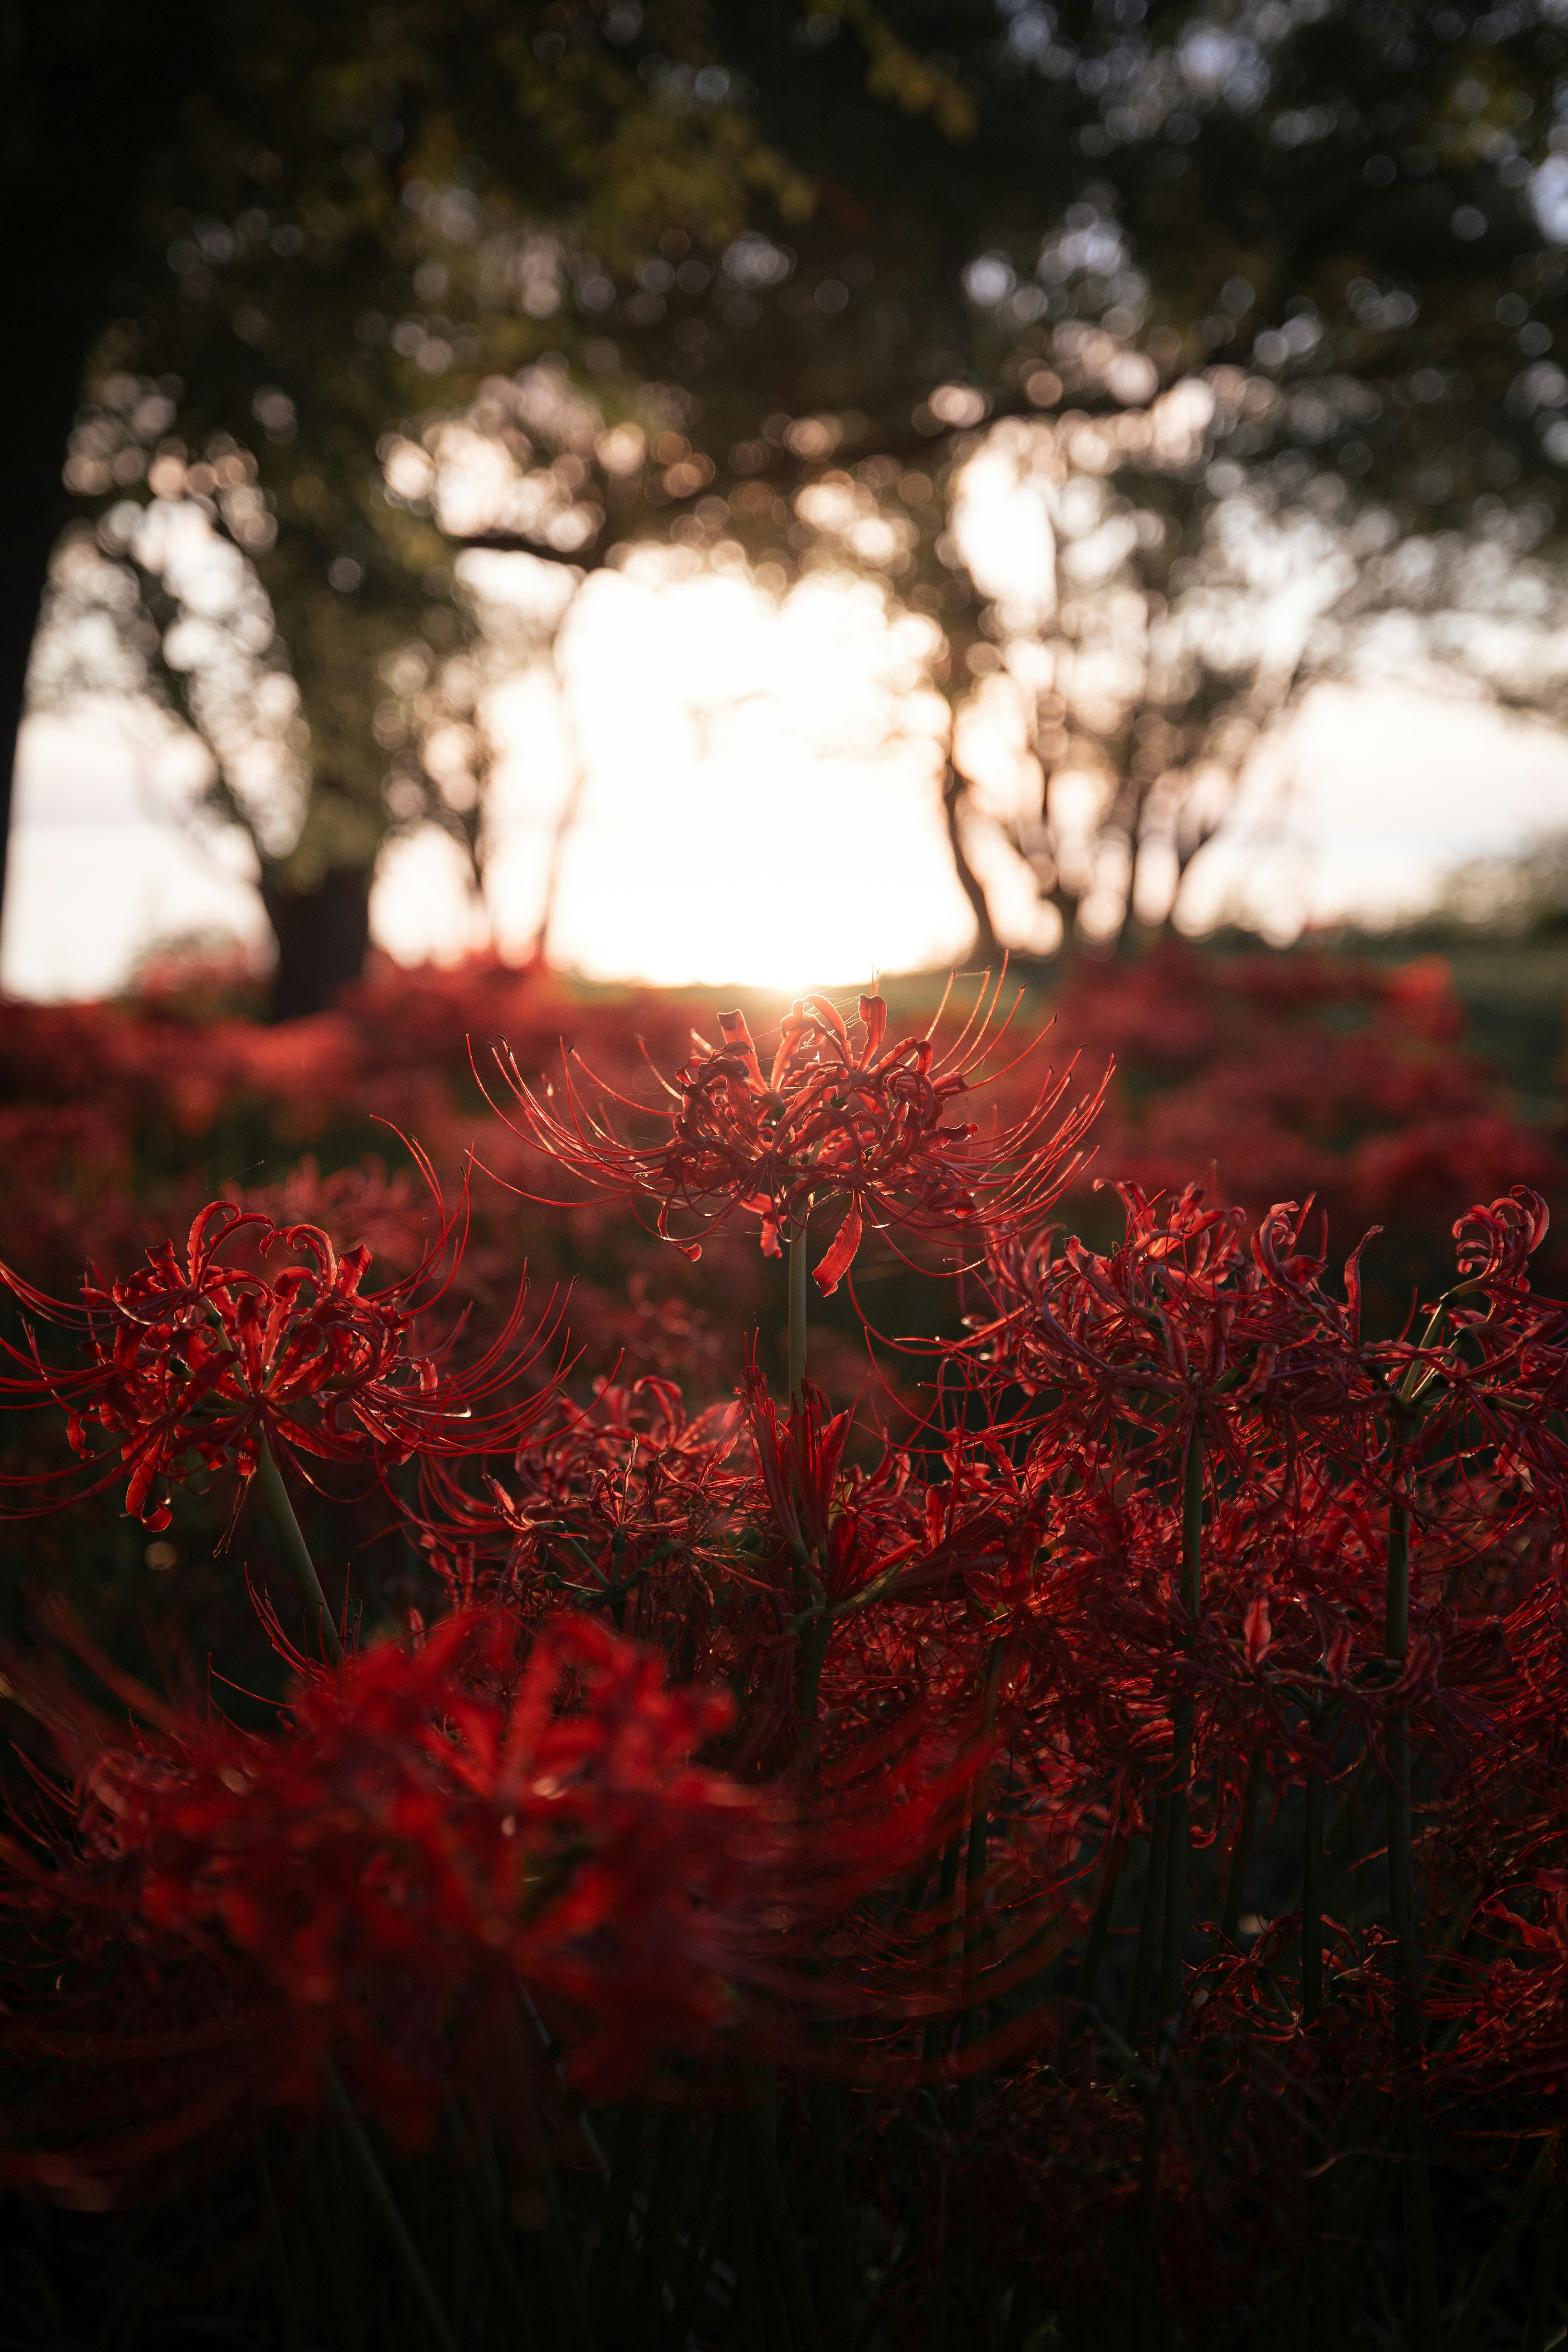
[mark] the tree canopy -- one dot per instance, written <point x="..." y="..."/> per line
<point x="1236" y="296"/>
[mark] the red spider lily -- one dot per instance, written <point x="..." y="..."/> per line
<point x="629" y="1504"/>
<point x="427" y="1831"/>
<point x="433" y="1833"/>
<point x="193" y="1354"/>
<point x="886" y="1532"/>
<point x="1498" y="1240"/>
<point x="1065" y="2166"/>
<point x="1291" y="1639"/>
<point x="1510" y="2007"/>
<point x="1180" y="1324"/>
<point x="863" y="1118"/>
<point x="725" y="1536"/>
<point x="1121" y="1356"/>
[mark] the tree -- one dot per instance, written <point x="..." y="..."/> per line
<point x="1275" y="289"/>
<point x="323" y="253"/>
<point x="1319" y="229"/>
<point x="91" y="80"/>
<point x="800" y="261"/>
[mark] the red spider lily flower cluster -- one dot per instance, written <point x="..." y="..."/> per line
<point x="861" y="1117"/>
<point x="1184" y="1319"/>
<point x="1186" y="1346"/>
<point x="428" y="1834"/>
<point x="445" y="1850"/>
<point x="1146" y="1758"/>
<point x="198" y="1355"/>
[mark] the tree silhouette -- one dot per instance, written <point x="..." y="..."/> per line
<point x="788" y="266"/>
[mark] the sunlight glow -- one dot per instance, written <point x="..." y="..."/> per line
<point x="711" y="781"/>
<point x="759" y="790"/>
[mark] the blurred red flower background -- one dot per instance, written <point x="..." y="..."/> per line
<point x="1049" y="1818"/>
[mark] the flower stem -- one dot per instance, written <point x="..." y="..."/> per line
<point x="1420" y="2250"/>
<point x="1241" y="1852"/>
<point x="1543" y="2287"/>
<point x="1397" y="1645"/>
<point x="750" y="2289"/>
<point x="1099" y="1925"/>
<point x="974" y="1880"/>
<point x="835" y="2245"/>
<point x="711" y="2213"/>
<point x="282" y="2283"/>
<point x="797" y="1298"/>
<point x="482" y="2190"/>
<point x="397" y="2227"/>
<point x="936" y="2027"/>
<point x="298" y="1551"/>
<point x="1193" y="1520"/>
<point x="1500" y="2253"/>
<point x="1180" y="1840"/>
<point x="760" y="2122"/>
<point x="1312" y="1902"/>
<point x="658" y="2226"/>
<point x="610" y="2261"/>
<point x="1150" y="1920"/>
<point x="808" y="1690"/>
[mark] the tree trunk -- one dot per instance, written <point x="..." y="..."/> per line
<point x="987" y="947"/>
<point x="38" y="408"/>
<point x="324" y="936"/>
<point x="87" y="94"/>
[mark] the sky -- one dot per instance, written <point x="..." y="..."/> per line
<point x="757" y="802"/>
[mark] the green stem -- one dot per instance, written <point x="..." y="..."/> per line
<point x="657" y="2227"/>
<point x="321" y="2211"/>
<point x="1193" y="1520"/>
<point x="1420" y="2241"/>
<point x="1241" y="1852"/>
<point x="611" y="2260"/>
<point x="941" y="2285"/>
<point x="761" y="2127"/>
<point x="701" y="2247"/>
<point x="1178" y="1836"/>
<point x="561" y="2247"/>
<point x="1401" y="1897"/>
<point x="1320" y="2283"/>
<point x="1420" y="2247"/>
<point x="282" y="2283"/>
<point x="1543" y="2287"/>
<point x="818" y="1631"/>
<point x="1150" y="1920"/>
<point x="485" y="2207"/>
<point x="834" y="2252"/>
<point x="1352" y="2217"/>
<point x="1499" y="2254"/>
<point x="1312" y="1903"/>
<point x="812" y="1657"/>
<point x="751" y="2291"/>
<point x="947" y="1886"/>
<point x="298" y="1551"/>
<point x="1149" y="2219"/>
<point x="974" y="1868"/>
<point x="1099" y="1925"/>
<point x="974" y="1878"/>
<point x="387" y="2205"/>
<point x="1178" y="1848"/>
<point x="797" y="1298"/>
<point x="1019" y="2317"/>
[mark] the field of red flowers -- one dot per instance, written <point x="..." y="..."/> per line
<point x="944" y="1732"/>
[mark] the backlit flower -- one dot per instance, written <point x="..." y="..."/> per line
<point x="195" y="1355"/>
<point x="426" y="1836"/>
<point x="850" y="1115"/>
<point x="444" y="1849"/>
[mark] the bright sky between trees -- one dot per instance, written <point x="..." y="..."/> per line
<point x="729" y="786"/>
